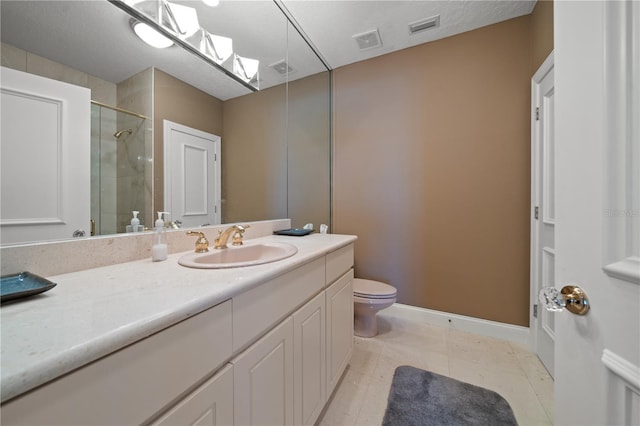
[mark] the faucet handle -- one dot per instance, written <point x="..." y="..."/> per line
<point x="202" y="244"/>
<point x="237" y="236"/>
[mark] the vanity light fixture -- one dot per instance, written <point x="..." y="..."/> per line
<point x="217" y="47"/>
<point x="246" y="68"/>
<point x="182" y="19"/>
<point x="149" y="35"/>
<point x="180" y="25"/>
<point x="175" y="18"/>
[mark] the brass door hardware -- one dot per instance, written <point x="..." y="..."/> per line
<point x="571" y="297"/>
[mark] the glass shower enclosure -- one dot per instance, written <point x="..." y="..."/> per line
<point x="121" y="169"/>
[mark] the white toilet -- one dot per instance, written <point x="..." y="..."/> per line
<point x="368" y="298"/>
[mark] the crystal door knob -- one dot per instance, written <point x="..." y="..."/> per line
<point x="570" y="297"/>
<point x="551" y="299"/>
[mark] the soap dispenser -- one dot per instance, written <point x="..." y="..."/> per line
<point x="159" y="249"/>
<point x="135" y="223"/>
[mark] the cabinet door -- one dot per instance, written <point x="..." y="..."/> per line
<point x="263" y="379"/>
<point x="309" y="361"/>
<point x="211" y="404"/>
<point x="339" y="328"/>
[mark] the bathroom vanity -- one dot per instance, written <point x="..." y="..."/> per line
<point x="158" y="343"/>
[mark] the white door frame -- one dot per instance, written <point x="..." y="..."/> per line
<point x="535" y="310"/>
<point x="217" y="187"/>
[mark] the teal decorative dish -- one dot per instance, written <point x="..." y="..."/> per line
<point x="22" y="285"/>
<point x="296" y="232"/>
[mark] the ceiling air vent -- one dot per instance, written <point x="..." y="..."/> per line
<point x="424" y="24"/>
<point x="368" y="40"/>
<point x="281" y="67"/>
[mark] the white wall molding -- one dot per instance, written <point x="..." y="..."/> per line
<point x="499" y="330"/>
<point x="621" y="215"/>
<point x="623" y="389"/>
<point x="622" y="368"/>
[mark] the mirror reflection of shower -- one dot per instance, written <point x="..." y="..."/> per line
<point x="121" y="168"/>
<point x="120" y="132"/>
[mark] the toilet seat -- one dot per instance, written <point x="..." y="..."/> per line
<point x="368" y="301"/>
<point x="369" y="297"/>
<point x="368" y="289"/>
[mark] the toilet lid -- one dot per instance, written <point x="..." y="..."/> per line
<point x="373" y="289"/>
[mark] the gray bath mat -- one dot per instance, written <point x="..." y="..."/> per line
<point x="419" y="397"/>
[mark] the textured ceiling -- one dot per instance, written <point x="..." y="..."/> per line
<point x="94" y="36"/>
<point x="331" y="24"/>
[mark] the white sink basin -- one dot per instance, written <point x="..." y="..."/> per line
<point x="236" y="256"/>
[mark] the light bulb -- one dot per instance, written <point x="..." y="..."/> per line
<point x="150" y="35"/>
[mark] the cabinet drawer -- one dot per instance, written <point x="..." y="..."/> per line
<point x="339" y="262"/>
<point x="134" y="383"/>
<point x="259" y="309"/>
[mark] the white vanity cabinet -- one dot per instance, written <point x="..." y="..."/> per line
<point x="273" y="354"/>
<point x="131" y="385"/>
<point x="287" y="376"/>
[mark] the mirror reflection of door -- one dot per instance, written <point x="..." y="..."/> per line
<point x="45" y="172"/>
<point x="191" y="175"/>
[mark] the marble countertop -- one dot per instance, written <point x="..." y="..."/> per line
<point x="92" y="313"/>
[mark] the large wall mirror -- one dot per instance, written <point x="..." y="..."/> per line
<point x="274" y="130"/>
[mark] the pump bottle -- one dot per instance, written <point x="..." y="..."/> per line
<point x="135" y="223"/>
<point x="159" y="250"/>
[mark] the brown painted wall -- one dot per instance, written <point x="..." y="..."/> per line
<point x="176" y="101"/>
<point x="309" y="151"/>
<point x="541" y="32"/>
<point x="276" y="166"/>
<point x="432" y="170"/>
<point x="254" y="157"/>
<point x="254" y="135"/>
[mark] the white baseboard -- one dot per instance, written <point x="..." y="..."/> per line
<point x="499" y="330"/>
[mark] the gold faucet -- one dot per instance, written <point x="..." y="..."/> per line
<point x="223" y="236"/>
<point x="202" y="244"/>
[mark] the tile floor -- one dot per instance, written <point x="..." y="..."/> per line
<point x="502" y="366"/>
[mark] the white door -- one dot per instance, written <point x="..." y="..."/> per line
<point x="45" y="151"/>
<point x="191" y="175"/>
<point x="543" y="209"/>
<point x="597" y="363"/>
